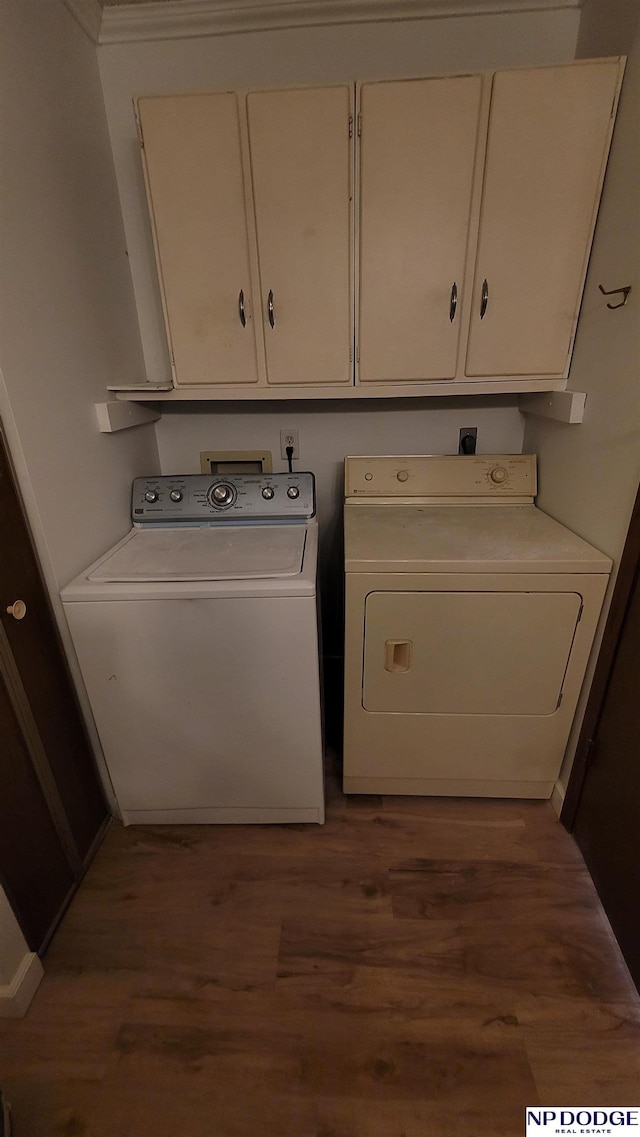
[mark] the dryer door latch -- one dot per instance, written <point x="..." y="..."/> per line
<point x="397" y="655"/>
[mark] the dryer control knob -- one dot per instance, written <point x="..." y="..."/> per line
<point x="175" y="495"/>
<point x="293" y="491"/>
<point x="498" y="475"/>
<point x="403" y="475"/>
<point x="151" y="495"/>
<point x="268" y="492"/>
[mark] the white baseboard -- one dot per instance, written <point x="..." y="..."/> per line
<point x="557" y="798"/>
<point x="16" y="996"/>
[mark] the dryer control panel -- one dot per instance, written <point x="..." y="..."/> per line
<point x="200" y="499"/>
<point x="473" y="477"/>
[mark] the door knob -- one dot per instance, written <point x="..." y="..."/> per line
<point x="18" y="609"/>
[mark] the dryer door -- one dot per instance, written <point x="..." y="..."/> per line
<point x="467" y="653"/>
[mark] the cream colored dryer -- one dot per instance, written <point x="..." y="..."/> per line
<point x="470" y="615"/>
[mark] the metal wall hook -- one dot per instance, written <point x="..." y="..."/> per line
<point x="612" y="292"/>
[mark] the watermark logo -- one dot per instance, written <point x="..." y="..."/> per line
<point x="603" y="1121"/>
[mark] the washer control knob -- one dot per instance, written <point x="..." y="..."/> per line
<point x="151" y="495"/>
<point x="403" y="475"/>
<point x="222" y="494"/>
<point x="498" y="475"/>
<point x="293" y="491"/>
<point x="176" y="495"/>
<point x="268" y="492"/>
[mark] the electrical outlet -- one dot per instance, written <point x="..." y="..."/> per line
<point x="467" y="439"/>
<point x="288" y="438"/>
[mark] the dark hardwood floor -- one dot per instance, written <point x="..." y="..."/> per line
<point x="415" y="968"/>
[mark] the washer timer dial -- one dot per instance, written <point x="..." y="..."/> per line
<point x="221" y="495"/>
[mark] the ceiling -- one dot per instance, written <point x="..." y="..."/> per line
<point x="125" y="21"/>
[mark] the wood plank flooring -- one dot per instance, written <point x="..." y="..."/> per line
<point x="414" y="968"/>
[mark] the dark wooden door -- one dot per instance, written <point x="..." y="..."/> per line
<point x="34" y="868"/>
<point x="607" y="818"/>
<point x="41" y="719"/>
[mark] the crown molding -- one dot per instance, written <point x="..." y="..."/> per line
<point x="183" y="19"/>
<point x="88" y="13"/>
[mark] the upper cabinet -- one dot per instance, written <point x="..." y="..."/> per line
<point x="476" y="213"/>
<point x="301" y="161"/>
<point x="250" y="199"/>
<point x="418" y="146"/>
<point x="548" y="141"/>
<point x="473" y="214"/>
<point x="196" y="192"/>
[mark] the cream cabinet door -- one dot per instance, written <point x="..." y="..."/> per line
<point x="195" y="185"/>
<point x="417" y="161"/>
<point x="549" y="133"/>
<point x="301" y="161"/>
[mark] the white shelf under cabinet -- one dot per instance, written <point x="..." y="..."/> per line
<point x="451" y="389"/>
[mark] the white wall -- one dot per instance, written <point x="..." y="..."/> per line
<point x="67" y="317"/>
<point x="13" y="946"/>
<point x="589" y="473"/>
<point x="20" y="969"/>
<point x="68" y="324"/>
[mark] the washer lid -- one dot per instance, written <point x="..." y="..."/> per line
<point x="223" y="552"/>
<point x="461" y="538"/>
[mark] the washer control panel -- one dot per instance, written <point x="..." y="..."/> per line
<point x="193" y="499"/>
<point x="442" y="476"/>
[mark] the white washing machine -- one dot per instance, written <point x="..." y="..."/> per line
<point x="470" y="615"/>
<point x="197" y="636"/>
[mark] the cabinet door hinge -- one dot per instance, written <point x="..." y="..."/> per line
<point x="359" y="125"/>
<point x="350" y="355"/>
<point x="350" y="126"/>
<point x="140" y="136"/>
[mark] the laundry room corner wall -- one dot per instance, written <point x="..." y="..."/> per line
<point x="588" y="474"/>
<point x="68" y="324"/>
<point x="67" y="318"/>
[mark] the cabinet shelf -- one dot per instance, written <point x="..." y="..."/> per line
<point x="451" y="389"/>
